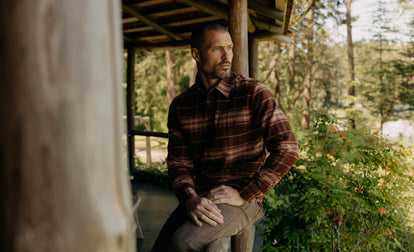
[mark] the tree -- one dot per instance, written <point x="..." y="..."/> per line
<point x="277" y="78"/>
<point x="171" y="76"/>
<point x="350" y="49"/>
<point x="309" y="68"/>
<point x="380" y="84"/>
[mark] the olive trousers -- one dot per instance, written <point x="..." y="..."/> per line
<point x="180" y="234"/>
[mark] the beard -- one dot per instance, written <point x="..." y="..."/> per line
<point x="219" y="73"/>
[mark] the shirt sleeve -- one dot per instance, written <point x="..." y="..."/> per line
<point x="279" y="140"/>
<point x="179" y="161"/>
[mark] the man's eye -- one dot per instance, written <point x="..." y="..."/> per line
<point x="215" y="49"/>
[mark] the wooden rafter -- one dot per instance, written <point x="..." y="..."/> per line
<point x="149" y="22"/>
<point x="155" y="23"/>
<point x="172" y="12"/>
<point x="175" y="24"/>
<point x="161" y="14"/>
<point x="161" y="37"/>
<point x="215" y="10"/>
<point x="159" y="46"/>
<point x="266" y="11"/>
<point x="151" y="3"/>
<point x="208" y="7"/>
<point x="288" y="12"/>
<point x="276" y="29"/>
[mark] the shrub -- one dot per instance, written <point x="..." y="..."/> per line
<point x="350" y="191"/>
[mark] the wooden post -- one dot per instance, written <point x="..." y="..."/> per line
<point x="63" y="177"/>
<point x="131" y="107"/>
<point x="148" y="143"/>
<point x="253" y="57"/>
<point x="238" y="28"/>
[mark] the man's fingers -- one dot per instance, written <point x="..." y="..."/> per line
<point x="208" y="220"/>
<point x="196" y="221"/>
<point x="212" y="214"/>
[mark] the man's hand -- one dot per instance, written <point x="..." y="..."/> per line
<point x="227" y="195"/>
<point x="202" y="209"/>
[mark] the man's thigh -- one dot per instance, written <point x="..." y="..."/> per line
<point x="190" y="237"/>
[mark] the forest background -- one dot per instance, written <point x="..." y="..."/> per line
<point x="353" y="186"/>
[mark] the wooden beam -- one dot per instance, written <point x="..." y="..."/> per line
<point x="174" y="24"/>
<point x="266" y="11"/>
<point x="215" y="10"/>
<point x="129" y="20"/>
<point x="130" y="104"/>
<point x="63" y="183"/>
<point x="208" y="7"/>
<point x="144" y="46"/>
<point x="172" y="12"/>
<point x="238" y="28"/>
<point x="149" y="22"/>
<point x="151" y="3"/>
<point x="253" y="57"/>
<point x="276" y="29"/>
<point x="193" y="21"/>
<point x="288" y="11"/>
<point x="161" y="37"/>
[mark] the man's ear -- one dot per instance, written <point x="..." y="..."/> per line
<point x="196" y="54"/>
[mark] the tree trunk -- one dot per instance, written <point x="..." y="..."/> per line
<point x="277" y="80"/>
<point x="291" y="65"/>
<point x="171" y="79"/>
<point x="308" y="77"/>
<point x="63" y="178"/>
<point x="351" y="68"/>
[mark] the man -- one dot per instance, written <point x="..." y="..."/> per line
<point x="219" y="131"/>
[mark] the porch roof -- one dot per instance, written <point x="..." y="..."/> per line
<point x="161" y="24"/>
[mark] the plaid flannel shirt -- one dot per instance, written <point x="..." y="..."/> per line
<point x="222" y="136"/>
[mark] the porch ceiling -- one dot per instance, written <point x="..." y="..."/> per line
<point x="161" y="24"/>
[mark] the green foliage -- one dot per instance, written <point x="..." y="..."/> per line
<point x="151" y="88"/>
<point x="160" y="167"/>
<point x="350" y="191"/>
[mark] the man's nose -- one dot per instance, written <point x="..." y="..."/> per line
<point x="226" y="53"/>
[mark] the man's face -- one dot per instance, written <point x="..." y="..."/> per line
<point x="216" y="54"/>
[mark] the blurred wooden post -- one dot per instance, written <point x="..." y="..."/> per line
<point x="238" y="28"/>
<point x="253" y="57"/>
<point x="148" y="142"/>
<point x="131" y="107"/>
<point x="63" y="179"/>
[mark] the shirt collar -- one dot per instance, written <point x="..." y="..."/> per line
<point x="224" y="86"/>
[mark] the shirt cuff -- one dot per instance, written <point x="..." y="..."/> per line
<point x="186" y="193"/>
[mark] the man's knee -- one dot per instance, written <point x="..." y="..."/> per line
<point x="181" y="242"/>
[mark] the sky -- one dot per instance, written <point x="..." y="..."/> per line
<point x="364" y="10"/>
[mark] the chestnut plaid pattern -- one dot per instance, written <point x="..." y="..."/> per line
<point x="234" y="134"/>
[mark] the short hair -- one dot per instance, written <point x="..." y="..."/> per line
<point x="197" y="36"/>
